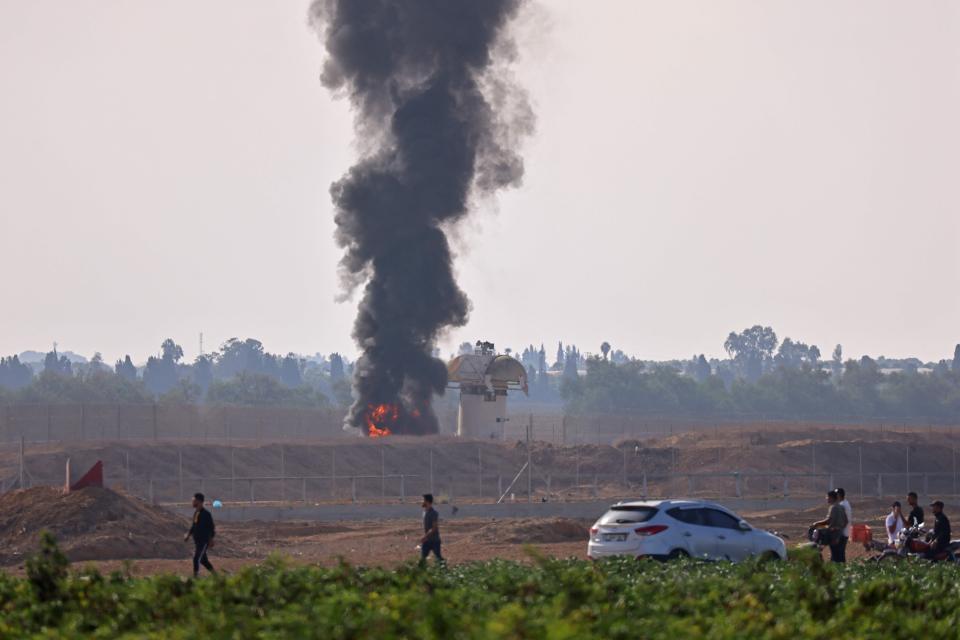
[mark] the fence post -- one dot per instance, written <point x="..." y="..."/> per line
<point x="625" y="466"/>
<point x="860" y="460"/>
<point x="233" y="474"/>
<point x="283" y="475"/>
<point x="251" y="490"/>
<point x="303" y="489"/>
<point x="431" y="470"/>
<point x="83" y="421"/>
<point x="530" y="460"/>
<point x="736" y="475"/>
<point x="333" y="473"/>
<point x="926" y="484"/>
<point x="126" y="467"/>
<point x="480" y="471"/>
<point x="644" y="485"/>
<point x="879" y="485"/>
<point x="452" y="493"/>
<point x="594" y="486"/>
<point x="151" y="492"/>
<point x="403" y="488"/>
<point x="831" y="484"/>
<point x="49" y="421"/>
<point x="180" y="471"/>
<point x="154" y="421"/>
<point x="549" y="494"/>
<point x="786" y="486"/>
<point x="383" y="474"/>
<point x="353" y="488"/>
<point x="21" y="485"/>
<point x="578" y="469"/>
<point x="499" y="485"/>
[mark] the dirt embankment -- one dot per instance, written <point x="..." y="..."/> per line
<point x="91" y="524"/>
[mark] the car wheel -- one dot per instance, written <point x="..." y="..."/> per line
<point x="770" y="556"/>
<point x="678" y="554"/>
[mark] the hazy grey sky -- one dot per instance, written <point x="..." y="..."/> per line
<point x="698" y="167"/>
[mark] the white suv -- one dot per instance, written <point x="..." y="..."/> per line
<point x="666" y="529"/>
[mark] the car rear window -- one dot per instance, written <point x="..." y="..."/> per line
<point x="628" y="514"/>
<point x="690" y="515"/>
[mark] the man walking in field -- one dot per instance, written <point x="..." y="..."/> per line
<point x="431" y="531"/>
<point x="203" y="531"/>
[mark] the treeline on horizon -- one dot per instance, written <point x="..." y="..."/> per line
<point x="241" y="372"/>
<point x="763" y="377"/>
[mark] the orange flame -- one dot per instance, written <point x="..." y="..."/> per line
<point x="377" y="417"/>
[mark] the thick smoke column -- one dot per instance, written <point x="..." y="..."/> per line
<point x="438" y="122"/>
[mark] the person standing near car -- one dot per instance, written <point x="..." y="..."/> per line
<point x="894" y="524"/>
<point x="203" y="531"/>
<point x="916" y="512"/>
<point x="834" y="524"/>
<point x="431" y="531"/>
<point x="848" y="530"/>
<point x="941" y="530"/>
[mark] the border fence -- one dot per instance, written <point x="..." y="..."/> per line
<point x="313" y="474"/>
<point x="163" y="422"/>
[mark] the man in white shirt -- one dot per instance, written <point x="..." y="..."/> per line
<point x="894" y="524"/>
<point x="847" y="530"/>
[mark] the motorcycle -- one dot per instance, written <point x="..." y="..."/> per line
<point x="914" y="542"/>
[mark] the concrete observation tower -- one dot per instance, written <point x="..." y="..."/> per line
<point x="484" y="378"/>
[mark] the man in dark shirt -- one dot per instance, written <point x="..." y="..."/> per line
<point x="203" y="532"/>
<point x="941" y="530"/>
<point x="431" y="530"/>
<point x="916" y="512"/>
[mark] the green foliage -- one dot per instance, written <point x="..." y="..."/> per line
<point x="47" y="570"/>
<point x="94" y="387"/>
<point x="804" y="392"/>
<point x="257" y="389"/>
<point x="556" y="599"/>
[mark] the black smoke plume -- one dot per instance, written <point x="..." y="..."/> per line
<point x="438" y="120"/>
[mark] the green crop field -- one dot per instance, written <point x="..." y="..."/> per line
<point x="555" y="599"/>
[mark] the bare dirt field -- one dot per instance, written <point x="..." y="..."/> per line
<point x="115" y="532"/>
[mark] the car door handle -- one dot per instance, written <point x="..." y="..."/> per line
<point x="722" y="537"/>
<point x="687" y="534"/>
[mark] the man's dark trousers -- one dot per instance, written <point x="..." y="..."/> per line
<point x="427" y="547"/>
<point x="200" y="557"/>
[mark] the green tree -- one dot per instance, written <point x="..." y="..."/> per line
<point x="126" y="369"/>
<point x="160" y="375"/>
<point x="14" y="374"/>
<point x="751" y="350"/>
<point x="336" y="367"/>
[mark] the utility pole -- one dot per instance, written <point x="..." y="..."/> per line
<point x="21" y="463"/>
